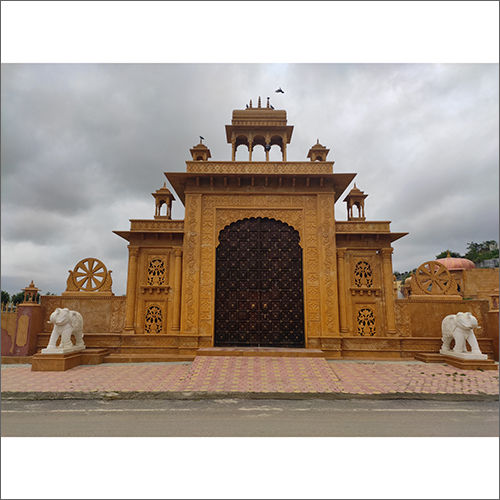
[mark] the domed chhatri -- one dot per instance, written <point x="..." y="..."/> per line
<point x="456" y="263"/>
<point x="318" y="152"/>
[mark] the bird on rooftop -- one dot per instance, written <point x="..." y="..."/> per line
<point x="201" y="138"/>
<point x="271" y="106"/>
<point x="246" y="106"/>
<point x="279" y="91"/>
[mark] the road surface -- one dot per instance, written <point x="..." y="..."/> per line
<point x="238" y="418"/>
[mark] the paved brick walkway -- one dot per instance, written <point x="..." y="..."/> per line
<point x="257" y="374"/>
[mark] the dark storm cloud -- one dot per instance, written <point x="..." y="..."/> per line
<point x="83" y="146"/>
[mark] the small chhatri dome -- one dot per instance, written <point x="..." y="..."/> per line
<point x="200" y="152"/>
<point x="163" y="196"/>
<point x="355" y="191"/>
<point x="318" y="152"/>
<point x="456" y="263"/>
<point x="355" y="198"/>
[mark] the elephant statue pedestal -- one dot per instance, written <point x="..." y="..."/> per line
<point x="67" y="324"/>
<point x="460" y="327"/>
<point x="464" y="355"/>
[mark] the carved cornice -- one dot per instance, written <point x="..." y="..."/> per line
<point x="264" y="167"/>
<point x="365" y="227"/>
<point x="165" y="226"/>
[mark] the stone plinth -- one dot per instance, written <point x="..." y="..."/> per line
<point x="463" y="355"/>
<point x="62" y="362"/>
<point x="63" y="350"/>
<point x="458" y="362"/>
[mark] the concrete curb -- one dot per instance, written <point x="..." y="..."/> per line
<point x="190" y="395"/>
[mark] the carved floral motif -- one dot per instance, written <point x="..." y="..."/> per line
<point x="156" y="272"/>
<point x="366" y="322"/>
<point x="153" y="320"/>
<point x="363" y="275"/>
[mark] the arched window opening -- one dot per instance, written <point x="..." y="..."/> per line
<point x="357" y="205"/>
<point x="241" y="153"/>
<point x="163" y="208"/>
<point x="258" y="154"/>
<point x="275" y="153"/>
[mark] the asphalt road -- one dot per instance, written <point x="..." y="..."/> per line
<point x="238" y="418"/>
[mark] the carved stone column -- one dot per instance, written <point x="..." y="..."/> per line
<point x="176" y="324"/>
<point x="342" y="290"/>
<point x="250" y="149"/>
<point x="284" y="150"/>
<point x="388" y="290"/>
<point x="233" y="145"/>
<point x="131" y="289"/>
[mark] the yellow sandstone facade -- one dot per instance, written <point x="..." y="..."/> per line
<point x="347" y="280"/>
<point x="260" y="260"/>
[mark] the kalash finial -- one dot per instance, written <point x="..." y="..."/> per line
<point x="250" y="103"/>
<point x="267" y="102"/>
<point x="259" y="102"/>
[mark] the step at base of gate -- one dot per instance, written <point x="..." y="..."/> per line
<point x="146" y="358"/>
<point x="261" y="351"/>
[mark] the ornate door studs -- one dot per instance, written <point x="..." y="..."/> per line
<point x="259" y="291"/>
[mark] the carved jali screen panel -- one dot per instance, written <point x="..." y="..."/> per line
<point x="259" y="290"/>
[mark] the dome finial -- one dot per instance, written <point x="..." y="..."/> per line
<point x="259" y="102"/>
<point x="448" y="254"/>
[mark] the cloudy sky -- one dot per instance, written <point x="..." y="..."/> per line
<point x="84" y="145"/>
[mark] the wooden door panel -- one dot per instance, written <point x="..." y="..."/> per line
<point x="259" y="290"/>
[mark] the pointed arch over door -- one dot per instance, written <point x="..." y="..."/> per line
<point x="259" y="297"/>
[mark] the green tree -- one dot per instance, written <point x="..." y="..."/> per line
<point x="477" y="252"/>
<point x="17" y="298"/>
<point x="5" y="297"/>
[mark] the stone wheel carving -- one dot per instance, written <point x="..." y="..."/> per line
<point x="89" y="274"/>
<point x="433" y="278"/>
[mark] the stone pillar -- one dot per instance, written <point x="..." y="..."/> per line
<point x="22" y="339"/>
<point x="342" y="289"/>
<point x="284" y="150"/>
<point x="176" y="324"/>
<point x="233" y="145"/>
<point x="250" y="147"/>
<point x="133" y="252"/>
<point x="388" y="290"/>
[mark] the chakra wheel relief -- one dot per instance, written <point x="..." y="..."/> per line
<point x="366" y="322"/>
<point x="432" y="278"/>
<point x="363" y="275"/>
<point x="156" y="272"/>
<point x="153" y="322"/>
<point x="89" y="275"/>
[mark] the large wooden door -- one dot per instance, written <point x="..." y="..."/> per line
<point x="259" y="288"/>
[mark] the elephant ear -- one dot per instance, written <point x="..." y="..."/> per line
<point x="462" y="320"/>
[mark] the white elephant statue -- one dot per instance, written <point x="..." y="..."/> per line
<point x="66" y="323"/>
<point x="460" y="327"/>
